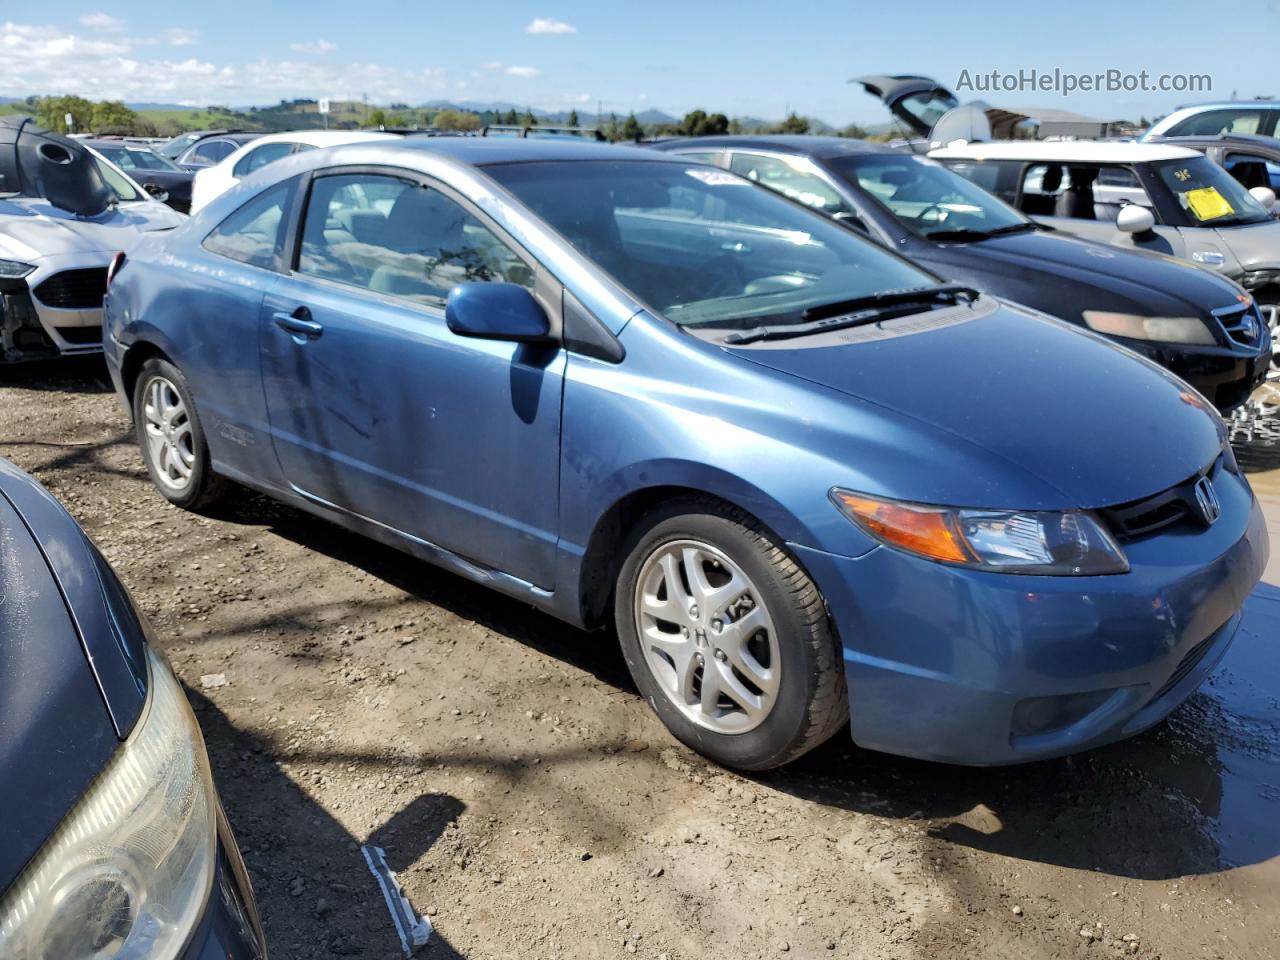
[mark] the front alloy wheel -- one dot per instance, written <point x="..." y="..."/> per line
<point x="707" y="636"/>
<point x="726" y="636"/>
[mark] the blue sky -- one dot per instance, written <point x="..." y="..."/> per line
<point x="748" y="58"/>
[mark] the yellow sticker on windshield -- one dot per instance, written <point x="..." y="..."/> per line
<point x="1208" y="204"/>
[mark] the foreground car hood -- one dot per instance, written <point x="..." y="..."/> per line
<point x="1087" y="418"/>
<point x="1150" y="281"/>
<point x="55" y="732"/>
<point x="33" y="228"/>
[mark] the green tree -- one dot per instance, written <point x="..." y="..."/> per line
<point x="573" y="118"/>
<point x="456" y="120"/>
<point x="112" y="116"/>
<point x="854" y="132"/>
<point x="511" y="118"/>
<point x="528" y="120"/>
<point x="53" y="111"/>
<point x="793" y="124"/>
<point x="377" y="117"/>
<point x="395" y="120"/>
<point x="631" y="129"/>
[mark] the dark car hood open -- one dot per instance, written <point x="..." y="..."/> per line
<point x="1087" y="418"/>
<point x="55" y="731"/>
<point x="35" y="162"/>
<point x="1147" y="280"/>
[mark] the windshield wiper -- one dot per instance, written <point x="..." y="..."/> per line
<point x="967" y="233"/>
<point x="851" y="313"/>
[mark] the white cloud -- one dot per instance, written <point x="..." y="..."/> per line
<point x="180" y="36"/>
<point x="515" y="70"/>
<point x="46" y="59"/>
<point x="497" y="64"/>
<point x="314" y="46"/>
<point x="102" y="21"/>
<point x="548" y="25"/>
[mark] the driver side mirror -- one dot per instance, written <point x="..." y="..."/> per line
<point x="1134" y="219"/>
<point x="496" y="311"/>
<point x="1265" y="196"/>
<point x="156" y="192"/>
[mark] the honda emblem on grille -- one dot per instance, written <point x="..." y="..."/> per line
<point x="1207" y="501"/>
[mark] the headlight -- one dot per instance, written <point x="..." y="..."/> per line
<point x="14" y="270"/>
<point x="1162" y="329"/>
<point x="128" y="871"/>
<point x="1065" y="544"/>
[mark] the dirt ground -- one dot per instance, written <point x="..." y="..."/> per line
<point x="534" y="807"/>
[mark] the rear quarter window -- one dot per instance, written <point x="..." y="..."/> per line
<point x="254" y="232"/>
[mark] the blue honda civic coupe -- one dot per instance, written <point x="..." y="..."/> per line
<point x="809" y="483"/>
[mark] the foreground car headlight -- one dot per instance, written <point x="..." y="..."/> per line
<point x="14" y="270"/>
<point x="127" y="873"/>
<point x="1066" y="544"/>
<point x="1161" y="329"/>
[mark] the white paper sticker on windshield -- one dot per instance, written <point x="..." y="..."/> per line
<point x="716" y="178"/>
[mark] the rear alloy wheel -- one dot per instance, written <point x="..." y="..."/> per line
<point x="171" y="439"/>
<point x="727" y="637"/>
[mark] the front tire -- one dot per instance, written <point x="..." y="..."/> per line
<point x="727" y="637"/>
<point x="172" y="439"/>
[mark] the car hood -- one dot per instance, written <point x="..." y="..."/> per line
<point x="1090" y="419"/>
<point x="55" y="731"/>
<point x="32" y="228"/>
<point x="1150" y="283"/>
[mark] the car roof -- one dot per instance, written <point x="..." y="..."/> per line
<point x="1067" y="151"/>
<point x="482" y="151"/>
<point x="122" y="144"/>
<point x="1257" y="140"/>
<point x="1220" y="104"/>
<point x="812" y="146"/>
<point x="325" y="138"/>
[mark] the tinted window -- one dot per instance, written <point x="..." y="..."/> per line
<point x="701" y="245"/>
<point x="174" y="147"/>
<point x="212" y="151"/>
<point x="927" y="197"/>
<point x="400" y="238"/>
<point x="253" y="233"/>
<point x="791" y="177"/>
<point x="1253" y="171"/>
<point x="1214" y="122"/>
<point x="699" y="156"/>
<point x="259" y="158"/>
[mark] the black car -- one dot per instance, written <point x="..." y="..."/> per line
<point x="113" y="842"/>
<point x="1195" y="322"/>
<point x="203" y="148"/>
<point x="159" y="176"/>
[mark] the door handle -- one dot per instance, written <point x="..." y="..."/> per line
<point x="299" y="324"/>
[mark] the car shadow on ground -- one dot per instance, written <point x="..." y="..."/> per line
<point x="81" y="375"/>
<point x="316" y="895"/>
<point x="1112" y="810"/>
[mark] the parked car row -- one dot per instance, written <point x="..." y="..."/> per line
<point x="831" y="437"/>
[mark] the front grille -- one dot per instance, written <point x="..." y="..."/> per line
<point x="74" y="289"/>
<point x="1242" y="322"/>
<point x="1176" y="505"/>
<point x="1186" y="665"/>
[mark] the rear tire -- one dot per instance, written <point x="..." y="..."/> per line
<point x="727" y="637"/>
<point x="171" y="437"/>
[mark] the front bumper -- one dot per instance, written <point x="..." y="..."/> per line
<point x="229" y="929"/>
<point x="31" y="328"/>
<point x="971" y="667"/>
<point x="1224" y="377"/>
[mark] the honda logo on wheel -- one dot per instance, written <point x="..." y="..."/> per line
<point x="1207" y="501"/>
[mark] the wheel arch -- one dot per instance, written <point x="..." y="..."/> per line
<point x="602" y="559"/>
<point x="131" y="364"/>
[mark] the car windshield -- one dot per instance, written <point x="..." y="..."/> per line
<point x="125" y="191"/>
<point x="927" y="197"/>
<point x="174" y="147"/>
<point x="131" y="158"/>
<point x="1208" y="195"/>
<point x="704" y="246"/>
